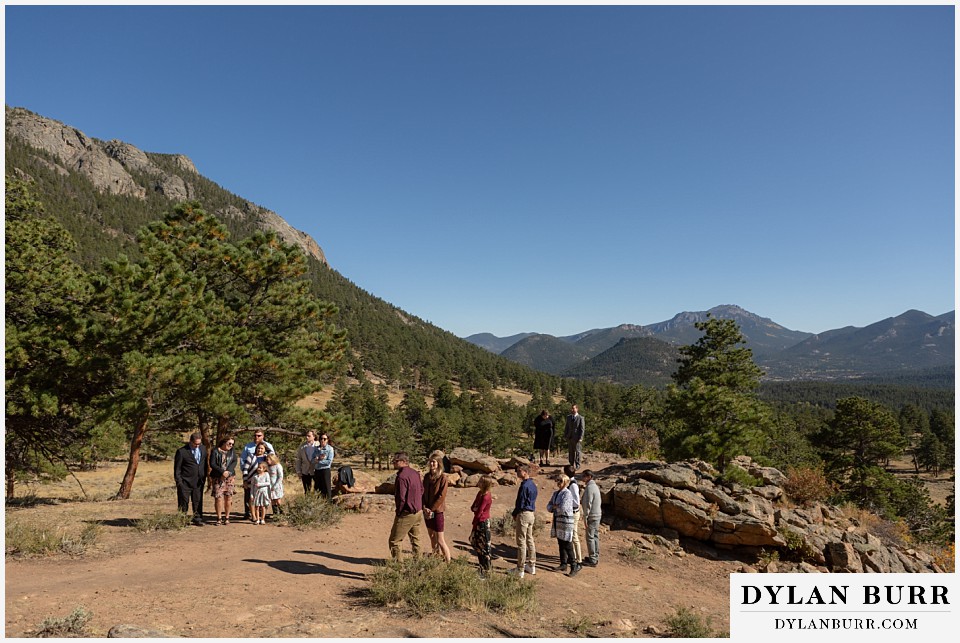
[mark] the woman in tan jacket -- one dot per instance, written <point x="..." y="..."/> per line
<point x="434" y="500"/>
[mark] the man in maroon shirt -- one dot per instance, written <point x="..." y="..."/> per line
<point x="408" y="494"/>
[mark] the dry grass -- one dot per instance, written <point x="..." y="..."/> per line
<point x="319" y="399"/>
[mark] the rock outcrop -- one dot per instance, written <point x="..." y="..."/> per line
<point x="685" y="498"/>
<point x="120" y="168"/>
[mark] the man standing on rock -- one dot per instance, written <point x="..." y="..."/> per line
<point x="590" y="506"/>
<point x="524" y="514"/>
<point x="408" y="495"/>
<point x="573" y="433"/>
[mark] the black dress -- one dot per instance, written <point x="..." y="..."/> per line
<point x="543" y="433"/>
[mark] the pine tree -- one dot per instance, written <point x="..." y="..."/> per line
<point x="45" y="325"/>
<point x="206" y="335"/>
<point x="861" y="436"/>
<point x="713" y="399"/>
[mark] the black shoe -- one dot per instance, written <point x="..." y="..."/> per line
<point x="198" y="523"/>
<point x="576" y="570"/>
<point x="562" y="568"/>
<point x="589" y="563"/>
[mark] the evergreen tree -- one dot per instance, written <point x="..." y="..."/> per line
<point x="713" y="399"/>
<point x="204" y="334"/>
<point x="931" y="454"/>
<point x="861" y="436"/>
<point x="45" y="326"/>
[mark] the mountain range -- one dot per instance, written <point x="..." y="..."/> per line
<point x="629" y="354"/>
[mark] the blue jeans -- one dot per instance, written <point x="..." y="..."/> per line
<point x="593" y="539"/>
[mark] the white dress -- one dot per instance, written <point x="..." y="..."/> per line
<point x="276" y="482"/>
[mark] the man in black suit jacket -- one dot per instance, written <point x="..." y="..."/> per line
<point x="190" y="473"/>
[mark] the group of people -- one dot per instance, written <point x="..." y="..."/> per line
<point x="573" y="431"/>
<point x="422" y="501"/>
<point x="569" y="505"/>
<point x="260" y="470"/>
<point x="418" y="500"/>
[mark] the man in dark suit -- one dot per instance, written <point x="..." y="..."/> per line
<point x="190" y="472"/>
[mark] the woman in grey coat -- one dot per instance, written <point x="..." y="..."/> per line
<point x="561" y="506"/>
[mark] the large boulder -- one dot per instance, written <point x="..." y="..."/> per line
<point x="638" y="501"/>
<point x="474" y="460"/>
<point x="843" y="557"/>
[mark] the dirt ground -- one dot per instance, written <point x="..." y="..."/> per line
<point x="246" y="580"/>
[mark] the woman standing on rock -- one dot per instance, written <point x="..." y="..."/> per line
<point x="543" y="436"/>
<point x="561" y="506"/>
<point x="434" y="501"/>
<point x="223" y="473"/>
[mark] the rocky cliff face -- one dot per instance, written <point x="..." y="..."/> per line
<point x="120" y="168"/>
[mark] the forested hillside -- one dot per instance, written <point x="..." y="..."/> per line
<point x="388" y="341"/>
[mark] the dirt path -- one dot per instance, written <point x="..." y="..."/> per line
<point x="246" y="580"/>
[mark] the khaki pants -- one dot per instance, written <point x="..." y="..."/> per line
<point x="577" y="556"/>
<point x="526" y="547"/>
<point x="402" y="527"/>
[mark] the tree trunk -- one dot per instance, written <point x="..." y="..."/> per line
<point x="11" y="479"/>
<point x="127" y="484"/>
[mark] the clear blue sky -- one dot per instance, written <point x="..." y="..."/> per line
<point x="549" y="169"/>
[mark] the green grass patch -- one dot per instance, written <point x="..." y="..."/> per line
<point x="578" y="625"/>
<point x="25" y="539"/>
<point x="427" y="585"/>
<point x="311" y="511"/>
<point x="684" y="623"/>
<point x="163" y="521"/>
<point x="72" y="626"/>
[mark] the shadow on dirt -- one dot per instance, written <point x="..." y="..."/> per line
<point x="300" y="567"/>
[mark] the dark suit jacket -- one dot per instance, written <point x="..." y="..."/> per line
<point x="186" y="471"/>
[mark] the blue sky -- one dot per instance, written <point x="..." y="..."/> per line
<point x="549" y="169"/>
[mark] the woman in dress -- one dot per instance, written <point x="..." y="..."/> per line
<point x="543" y="436"/>
<point x="434" y="501"/>
<point x="276" y="483"/>
<point x="480" y="534"/>
<point x="223" y="473"/>
<point x="561" y="506"/>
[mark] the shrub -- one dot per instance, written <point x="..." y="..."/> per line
<point x="578" y="625"/>
<point x="428" y="585"/>
<point x="808" y="484"/>
<point x="632" y="441"/>
<point x="503" y="526"/>
<point x="311" y="511"/>
<point x="796" y="545"/>
<point x="40" y="540"/>
<point x="684" y="623"/>
<point x="163" y="521"/>
<point x="736" y="475"/>
<point x="72" y="626"/>
<point x="635" y="554"/>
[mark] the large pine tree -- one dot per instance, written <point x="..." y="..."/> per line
<point x="713" y="399"/>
